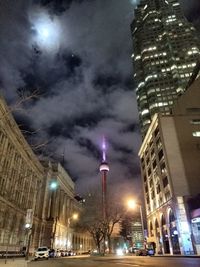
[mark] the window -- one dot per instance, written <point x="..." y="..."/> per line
<point x="163" y="167"/>
<point x="165" y="181"/>
<point x="160" y="154"/>
<point x="154" y="164"/>
<point x="156" y="131"/>
<point x="196" y="134"/>
<point x="152" y="152"/>
<point x="158" y="143"/>
<point x="158" y="189"/>
<point x="167" y="195"/>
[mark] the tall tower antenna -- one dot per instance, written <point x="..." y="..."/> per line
<point x="104" y="169"/>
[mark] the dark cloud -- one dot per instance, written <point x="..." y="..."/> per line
<point x="191" y="8"/>
<point x="56" y="6"/>
<point x="83" y="78"/>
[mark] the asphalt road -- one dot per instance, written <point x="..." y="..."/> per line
<point x="126" y="261"/>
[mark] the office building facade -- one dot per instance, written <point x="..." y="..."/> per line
<point x="165" y="51"/>
<point x="170" y="171"/>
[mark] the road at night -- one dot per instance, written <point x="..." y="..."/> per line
<point x="118" y="262"/>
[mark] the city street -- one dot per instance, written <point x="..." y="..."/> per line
<point x="118" y="261"/>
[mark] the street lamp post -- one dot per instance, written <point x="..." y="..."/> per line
<point x="53" y="188"/>
<point x="28" y="227"/>
<point x="29" y="219"/>
<point x="132" y="204"/>
<point x="142" y="220"/>
<point x="29" y="230"/>
<point x="74" y="217"/>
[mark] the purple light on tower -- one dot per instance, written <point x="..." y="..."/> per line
<point x="104" y="149"/>
<point x="104" y="169"/>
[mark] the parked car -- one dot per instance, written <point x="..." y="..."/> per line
<point x="132" y="249"/>
<point x="42" y="253"/>
<point x="58" y="253"/>
<point x="63" y="253"/>
<point x="52" y="253"/>
<point x="141" y="252"/>
<point x="144" y="252"/>
<point x="151" y="251"/>
<point x="71" y="253"/>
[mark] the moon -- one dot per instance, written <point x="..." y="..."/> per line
<point x="47" y="31"/>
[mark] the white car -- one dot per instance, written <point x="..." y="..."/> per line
<point x="42" y="253"/>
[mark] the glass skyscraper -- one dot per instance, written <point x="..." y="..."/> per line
<point x="166" y="49"/>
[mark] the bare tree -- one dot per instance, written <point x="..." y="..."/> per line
<point x="100" y="228"/>
<point x="115" y="213"/>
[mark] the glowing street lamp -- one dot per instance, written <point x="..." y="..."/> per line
<point x="27" y="225"/>
<point x="131" y="203"/>
<point x="75" y="216"/>
<point x="53" y="185"/>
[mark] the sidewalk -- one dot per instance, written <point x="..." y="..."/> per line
<point x="178" y="256"/>
<point x="20" y="262"/>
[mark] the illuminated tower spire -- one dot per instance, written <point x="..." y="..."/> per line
<point x="104" y="148"/>
<point x="104" y="168"/>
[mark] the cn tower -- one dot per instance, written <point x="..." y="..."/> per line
<point x="104" y="169"/>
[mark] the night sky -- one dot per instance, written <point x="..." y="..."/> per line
<point x="76" y="54"/>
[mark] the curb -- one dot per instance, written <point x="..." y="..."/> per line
<point x="176" y="256"/>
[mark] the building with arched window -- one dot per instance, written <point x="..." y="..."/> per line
<point x="37" y="201"/>
<point x="21" y="185"/>
<point x="170" y="157"/>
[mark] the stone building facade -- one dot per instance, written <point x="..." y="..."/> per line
<point x="59" y="224"/>
<point x="170" y="170"/>
<point x="21" y="181"/>
<point x="26" y="185"/>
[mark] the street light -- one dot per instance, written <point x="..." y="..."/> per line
<point x="28" y="227"/>
<point x="29" y="219"/>
<point x="53" y="187"/>
<point x="131" y="203"/>
<point x="74" y="217"/>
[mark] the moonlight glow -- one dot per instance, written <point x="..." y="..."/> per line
<point x="134" y="2"/>
<point x="47" y="31"/>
